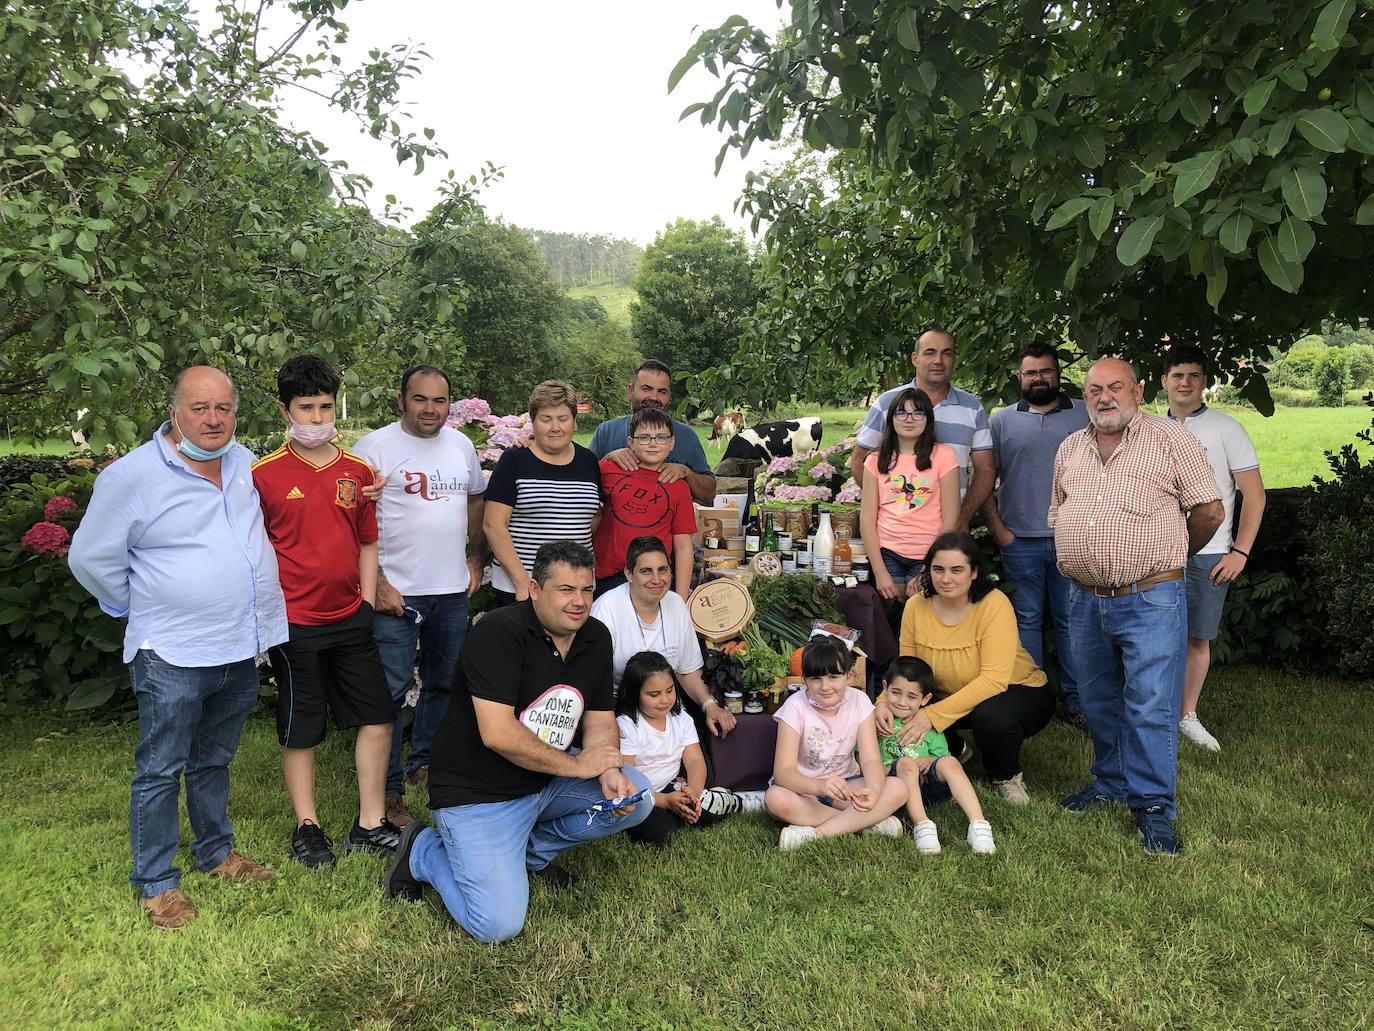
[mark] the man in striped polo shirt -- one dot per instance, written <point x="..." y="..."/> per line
<point x="960" y="422"/>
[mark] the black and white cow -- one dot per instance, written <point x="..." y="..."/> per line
<point x="770" y="440"/>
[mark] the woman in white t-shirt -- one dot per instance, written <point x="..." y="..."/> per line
<point x="660" y="740"/>
<point x="643" y="614"/>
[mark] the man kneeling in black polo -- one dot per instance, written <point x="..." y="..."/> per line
<point x="507" y="784"/>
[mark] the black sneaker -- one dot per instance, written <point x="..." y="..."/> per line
<point x="399" y="882"/>
<point x="1075" y="719"/>
<point x="382" y="838"/>
<point x="1082" y="801"/>
<point x="1156" y="831"/>
<point x="555" y="877"/>
<point x="310" y="845"/>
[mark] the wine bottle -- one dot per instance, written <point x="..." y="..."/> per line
<point x="770" y="534"/>
<point x="750" y="529"/>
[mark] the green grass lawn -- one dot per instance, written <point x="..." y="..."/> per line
<point x="614" y="297"/>
<point x="1069" y="925"/>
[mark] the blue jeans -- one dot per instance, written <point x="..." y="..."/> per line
<point x="1130" y="653"/>
<point x="1029" y="563"/>
<point x="189" y="721"/>
<point x="478" y="855"/>
<point x="439" y="638"/>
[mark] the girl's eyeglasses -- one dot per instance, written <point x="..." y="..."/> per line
<point x="908" y="416"/>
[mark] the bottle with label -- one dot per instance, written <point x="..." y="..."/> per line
<point x="843" y="559"/>
<point x="770" y="534"/>
<point x="752" y="534"/>
<point x="823" y="548"/>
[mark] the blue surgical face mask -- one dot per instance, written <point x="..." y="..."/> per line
<point x="197" y="453"/>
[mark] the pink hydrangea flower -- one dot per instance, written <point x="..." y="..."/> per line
<point x="849" y="493"/>
<point x="46" y="538"/>
<point x="784" y="464"/>
<point x="57" y="507"/>
<point x="469" y="409"/>
<point x="822" y="471"/>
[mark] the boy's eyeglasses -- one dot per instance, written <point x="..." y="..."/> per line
<point x="657" y="438"/>
<point x="909" y="416"/>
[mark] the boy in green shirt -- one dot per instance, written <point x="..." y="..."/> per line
<point x="925" y="766"/>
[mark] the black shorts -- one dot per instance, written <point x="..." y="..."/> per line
<point x="932" y="782"/>
<point x="336" y="666"/>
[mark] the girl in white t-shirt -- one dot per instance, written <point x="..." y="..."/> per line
<point x="819" y="788"/>
<point x="660" y="739"/>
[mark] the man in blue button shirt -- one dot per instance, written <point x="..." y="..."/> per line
<point x="173" y="540"/>
<point x="652" y="386"/>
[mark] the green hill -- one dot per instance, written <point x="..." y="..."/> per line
<point x="614" y="297"/>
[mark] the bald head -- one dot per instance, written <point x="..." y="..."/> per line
<point x="199" y="378"/>
<point x="1112" y="393"/>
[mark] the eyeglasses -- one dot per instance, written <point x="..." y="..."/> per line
<point x="909" y="416"/>
<point x="657" y="438"/>
<point x="1039" y="374"/>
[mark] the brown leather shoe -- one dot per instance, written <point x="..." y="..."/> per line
<point x="171" y="910"/>
<point x="420" y="776"/>
<point x="238" y="867"/>
<point x="396" y="811"/>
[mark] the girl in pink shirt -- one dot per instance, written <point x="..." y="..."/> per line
<point x="819" y="788"/>
<point x="910" y="494"/>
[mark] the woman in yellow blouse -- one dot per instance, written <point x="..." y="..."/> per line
<point x="985" y="681"/>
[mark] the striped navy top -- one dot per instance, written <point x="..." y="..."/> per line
<point x="548" y="502"/>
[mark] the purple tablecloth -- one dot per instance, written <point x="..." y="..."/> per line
<point x="743" y="761"/>
<point x="863" y="609"/>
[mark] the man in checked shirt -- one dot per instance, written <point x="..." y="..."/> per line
<point x="1133" y="498"/>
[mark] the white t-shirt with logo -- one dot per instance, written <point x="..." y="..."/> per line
<point x="657" y="754"/>
<point x="671" y="634"/>
<point x="422" y="518"/>
<point x="1229" y="451"/>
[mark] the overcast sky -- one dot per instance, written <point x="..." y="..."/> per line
<point x="569" y="97"/>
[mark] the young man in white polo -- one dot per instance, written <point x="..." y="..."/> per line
<point x="1212" y="570"/>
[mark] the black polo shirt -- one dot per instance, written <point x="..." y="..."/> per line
<point x="509" y="657"/>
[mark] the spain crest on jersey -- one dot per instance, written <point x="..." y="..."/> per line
<point x="346" y="493"/>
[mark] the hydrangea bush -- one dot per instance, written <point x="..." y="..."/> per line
<point x="60" y="647"/>
<point x="818" y="476"/>
<point x="490" y="434"/>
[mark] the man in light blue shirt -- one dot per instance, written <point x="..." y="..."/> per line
<point x="653" y="386"/>
<point x="960" y="422"/>
<point x="173" y="540"/>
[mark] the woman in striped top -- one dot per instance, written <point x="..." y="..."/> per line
<point x="549" y="491"/>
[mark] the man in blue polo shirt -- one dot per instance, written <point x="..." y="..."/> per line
<point x="652" y="386"/>
<point x="960" y="422"/>
<point x="1025" y="438"/>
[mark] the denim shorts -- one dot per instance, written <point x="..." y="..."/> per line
<point x="828" y="800"/>
<point x="933" y="786"/>
<point x="1205" y="599"/>
<point x="901" y="568"/>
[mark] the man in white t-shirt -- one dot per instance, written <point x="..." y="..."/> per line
<point x="431" y="555"/>
<point x="1222" y="559"/>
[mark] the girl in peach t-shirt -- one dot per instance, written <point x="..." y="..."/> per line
<point x="910" y="494"/>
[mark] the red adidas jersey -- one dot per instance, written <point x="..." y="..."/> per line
<point x="317" y="520"/>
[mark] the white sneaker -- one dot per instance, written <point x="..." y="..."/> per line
<point x="720" y="802"/>
<point x="1191" y="727"/>
<point x="750" y="801"/>
<point x="1013" y="790"/>
<point x="927" y="837"/>
<point x="794" y="837"/>
<point x="980" y="838"/>
<point x="889" y="828"/>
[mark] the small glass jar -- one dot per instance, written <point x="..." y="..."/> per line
<point x="784" y="541"/>
<point x="754" y="703"/>
<point x="789" y="561"/>
<point x="734" y="701"/>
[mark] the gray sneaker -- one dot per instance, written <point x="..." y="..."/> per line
<point x="1191" y="727"/>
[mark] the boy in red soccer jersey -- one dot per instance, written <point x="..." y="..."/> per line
<point x="325" y="534"/>
<point x="638" y="504"/>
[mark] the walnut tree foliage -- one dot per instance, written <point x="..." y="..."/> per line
<point x="1103" y="173"/>
<point x="156" y="211"/>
